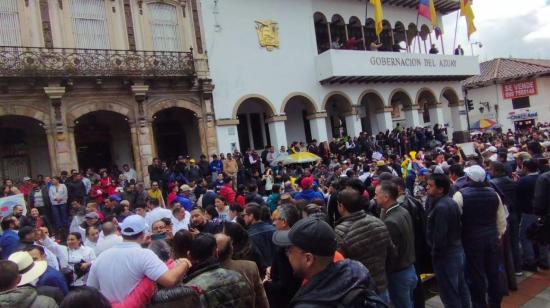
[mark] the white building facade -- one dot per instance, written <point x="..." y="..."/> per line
<point x="302" y="90"/>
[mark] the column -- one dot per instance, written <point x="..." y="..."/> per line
<point x="206" y="87"/>
<point x="145" y="149"/>
<point x="318" y="125"/>
<point x="436" y="115"/>
<point x="135" y="150"/>
<point x="228" y="138"/>
<point x="353" y="124"/>
<point x="277" y="131"/>
<point x="384" y="120"/>
<point x="459" y="120"/>
<point x="412" y="118"/>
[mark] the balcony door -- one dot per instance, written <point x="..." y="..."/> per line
<point x="163" y="21"/>
<point x="10" y="32"/>
<point x="90" y="24"/>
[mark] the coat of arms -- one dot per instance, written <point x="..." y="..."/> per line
<point x="268" y="34"/>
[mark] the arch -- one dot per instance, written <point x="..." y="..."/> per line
<point x="424" y="32"/>
<point x="161" y="105"/>
<point x="412" y="32"/>
<point x="319" y="17"/>
<point x="310" y="102"/>
<point x="374" y="92"/>
<point x="386" y="36"/>
<point x="322" y="34"/>
<point x="399" y="33"/>
<point x="403" y="96"/>
<point x="355" y="30"/>
<point x="337" y="19"/>
<point x="270" y="108"/>
<point x="338" y="29"/>
<point x="25" y="111"/>
<point x="427" y="94"/>
<point x="346" y="97"/>
<point x="86" y="107"/>
<point x="451" y="96"/>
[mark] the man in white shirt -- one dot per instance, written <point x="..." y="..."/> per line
<point x="119" y="269"/>
<point x="180" y="218"/>
<point x="110" y="238"/>
<point x="157" y="213"/>
<point x="129" y="173"/>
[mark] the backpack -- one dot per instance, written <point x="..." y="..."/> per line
<point x="361" y="297"/>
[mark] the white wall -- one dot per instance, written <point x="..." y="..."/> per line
<point x="294" y="124"/>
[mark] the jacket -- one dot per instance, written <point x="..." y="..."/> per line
<point x="283" y="284"/>
<point x="53" y="278"/>
<point x="8" y="243"/>
<point x="228" y="193"/>
<point x="479" y="213"/>
<point x="327" y="288"/>
<point x="526" y="192"/>
<point x="399" y="223"/>
<point x="45" y="197"/>
<point x="418" y="215"/>
<point x="443" y="228"/>
<point x="366" y="239"/>
<point x="254" y="197"/>
<point x="541" y="200"/>
<point x="261" y="234"/>
<point x="249" y="270"/>
<point x="308" y="195"/>
<point x="25" y="297"/>
<point x="460" y="183"/>
<point x="508" y="188"/>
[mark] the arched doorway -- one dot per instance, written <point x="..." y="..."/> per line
<point x="338" y="29"/>
<point x="427" y="102"/>
<point x="386" y="36"/>
<point x="297" y="126"/>
<point x="23" y="148"/>
<point x="321" y="32"/>
<point x="355" y="29"/>
<point x="401" y="103"/>
<point x="337" y="107"/>
<point x="400" y="36"/>
<point x="176" y="132"/>
<point x="412" y="38"/>
<point x="253" y="129"/>
<point x="103" y="140"/>
<point x="370" y="33"/>
<point x="372" y="105"/>
<point x="425" y="36"/>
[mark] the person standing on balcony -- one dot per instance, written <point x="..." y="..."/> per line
<point x="434" y="50"/>
<point x="336" y="43"/>
<point x="459" y="51"/>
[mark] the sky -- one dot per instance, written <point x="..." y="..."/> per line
<point x="506" y="28"/>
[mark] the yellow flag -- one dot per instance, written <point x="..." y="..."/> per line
<point x="467" y="11"/>
<point x="433" y="13"/>
<point x="378" y="15"/>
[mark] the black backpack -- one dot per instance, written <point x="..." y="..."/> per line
<point x="361" y="297"/>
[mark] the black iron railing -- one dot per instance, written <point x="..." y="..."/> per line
<point x="71" y="62"/>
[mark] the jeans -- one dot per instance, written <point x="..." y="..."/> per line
<point x="482" y="271"/>
<point x="528" y="247"/>
<point x="449" y="272"/>
<point x="59" y="215"/>
<point x="401" y="286"/>
<point x="513" y="229"/>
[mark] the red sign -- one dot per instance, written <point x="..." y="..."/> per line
<point x="520" y="89"/>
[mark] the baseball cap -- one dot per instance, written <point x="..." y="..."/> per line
<point x="475" y="173"/>
<point x="309" y="234"/>
<point x="306" y="182"/>
<point x="132" y="225"/>
<point x="26" y="179"/>
<point x="185" y="187"/>
<point x="92" y="215"/>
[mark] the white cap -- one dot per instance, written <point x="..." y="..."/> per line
<point x="132" y="225"/>
<point x="475" y="173"/>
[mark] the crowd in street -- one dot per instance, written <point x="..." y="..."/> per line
<point x="357" y="228"/>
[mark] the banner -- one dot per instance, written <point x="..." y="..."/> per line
<point x="519" y="89"/>
<point x="7" y="204"/>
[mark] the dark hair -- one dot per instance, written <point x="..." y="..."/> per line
<point x="154" y="202"/>
<point x="240" y="189"/>
<point x="290" y="214"/>
<point x="398" y="181"/>
<point x="37" y="247"/>
<point x="252" y="187"/>
<point x="531" y="165"/>
<point x="181" y="243"/>
<point x="498" y="168"/>
<point x="211" y="210"/>
<point x="253" y="209"/>
<point x="225" y="252"/>
<point x="85" y="297"/>
<point x="237" y="233"/>
<point x="8" y="274"/>
<point x="211" y="186"/>
<point x="534" y="147"/>
<point x="350" y="199"/>
<point x="356" y="185"/>
<point x="222" y="198"/>
<point x="196" y="207"/>
<point x="389" y="188"/>
<point x="6" y="222"/>
<point x="24" y="231"/>
<point x="457" y="170"/>
<point x="227" y="180"/>
<point x="77" y="235"/>
<point x="235" y="208"/>
<point x="161" y="249"/>
<point x="276" y="188"/>
<point x="385" y="176"/>
<point x="202" y="247"/>
<point x="441" y="181"/>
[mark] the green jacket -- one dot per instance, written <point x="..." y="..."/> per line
<point x="25" y="297"/>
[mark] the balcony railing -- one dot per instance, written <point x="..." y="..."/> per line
<point x="70" y="62"/>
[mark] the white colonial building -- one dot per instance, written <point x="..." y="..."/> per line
<point x="299" y="86"/>
<point x="513" y="92"/>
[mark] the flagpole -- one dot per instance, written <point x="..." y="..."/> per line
<point x="456" y="29"/>
<point x="442" y="43"/>
<point x="417" y="33"/>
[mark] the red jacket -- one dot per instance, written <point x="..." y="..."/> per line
<point x="228" y="193"/>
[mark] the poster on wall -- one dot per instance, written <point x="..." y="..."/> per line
<point x="7" y="204"/>
<point x="519" y="89"/>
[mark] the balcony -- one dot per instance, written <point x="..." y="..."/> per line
<point x="70" y="62"/>
<point x="349" y="66"/>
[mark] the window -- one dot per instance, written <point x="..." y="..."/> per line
<point x="90" y="24"/>
<point x="10" y="32"/>
<point x="164" y="27"/>
<point x="521" y="102"/>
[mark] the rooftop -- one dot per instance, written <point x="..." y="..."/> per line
<point x="503" y="70"/>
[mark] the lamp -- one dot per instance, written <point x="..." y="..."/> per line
<point x="479" y="44"/>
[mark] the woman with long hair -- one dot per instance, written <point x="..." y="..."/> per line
<point x="59" y="194"/>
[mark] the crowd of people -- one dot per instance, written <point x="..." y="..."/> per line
<point x="356" y="228"/>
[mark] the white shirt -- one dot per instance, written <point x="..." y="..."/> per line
<point x="119" y="270"/>
<point x="180" y="224"/>
<point x="157" y="214"/>
<point x="130" y="175"/>
<point x="107" y="242"/>
<point x="70" y="257"/>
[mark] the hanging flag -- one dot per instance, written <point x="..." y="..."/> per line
<point x="467" y="11"/>
<point x="378" y="15"/>
<point x="437" y="31"/>
<point x="426" y="8"/>
<point x="433" y="13"/>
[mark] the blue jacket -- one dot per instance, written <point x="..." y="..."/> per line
<point x="216" y="166"/>
<point x="53" y="278"/>
<point x="261" y="234"/>
<point x="309" y="195"/>
<point x="8" y="243"/>
<point x="185" y="203"/>
<point x="479" y="212"/>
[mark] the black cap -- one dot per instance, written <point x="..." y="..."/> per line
<point x="310" y="234"/>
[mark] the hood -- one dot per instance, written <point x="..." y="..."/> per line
<point x="334" y="282"/>
<point x="21" y="297"/>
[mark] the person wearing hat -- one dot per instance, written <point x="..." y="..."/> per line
<point x="483" y="224"/>
<point x="310" y="247"/>
<point x="16" y="278"/>
<point x="118" y="270"/>
<point x="26" y="187"/>
<point x="184" y="197"/>
<point x="307" y="193"/>
<point x="193" y="171"/>
<point x="52" y="277"/>
<point x="156" y="212"/>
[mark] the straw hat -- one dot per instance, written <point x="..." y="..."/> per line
<point x="29" y="269"/>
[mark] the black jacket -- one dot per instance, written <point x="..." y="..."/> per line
<point x="261" y="234"/>
<point x="526" y="192"/>
<point x="541" y="200"/>
<point x="284" y="284"/>
<point x="400" y="225"/>
<point x="76" y="190"/>
<point x="443" y="230"/>
<point x="507" y="189"/>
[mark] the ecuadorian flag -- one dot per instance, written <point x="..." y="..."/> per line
<point x="426" y="8"/>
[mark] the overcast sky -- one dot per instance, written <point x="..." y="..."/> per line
<point x="506" y="28"/>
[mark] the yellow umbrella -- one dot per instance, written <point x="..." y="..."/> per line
<point x="300" y="158"/>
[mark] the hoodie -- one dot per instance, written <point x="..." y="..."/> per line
<point x="25" y="297"/>
<point x="327" y="288"/>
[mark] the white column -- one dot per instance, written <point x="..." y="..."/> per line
<point x="264" y="135"/>
<point x="277" y="131"/>
<point x="384" y="120"/>
<point x="459" y="123"/>
<point x="228" y="138"/>
<point x="249" y="131"/>
<point x="318" y="125"/>
<point x="436" y="116"/>
<point x="353" y="125"/>
<point x="412" y="117"/>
